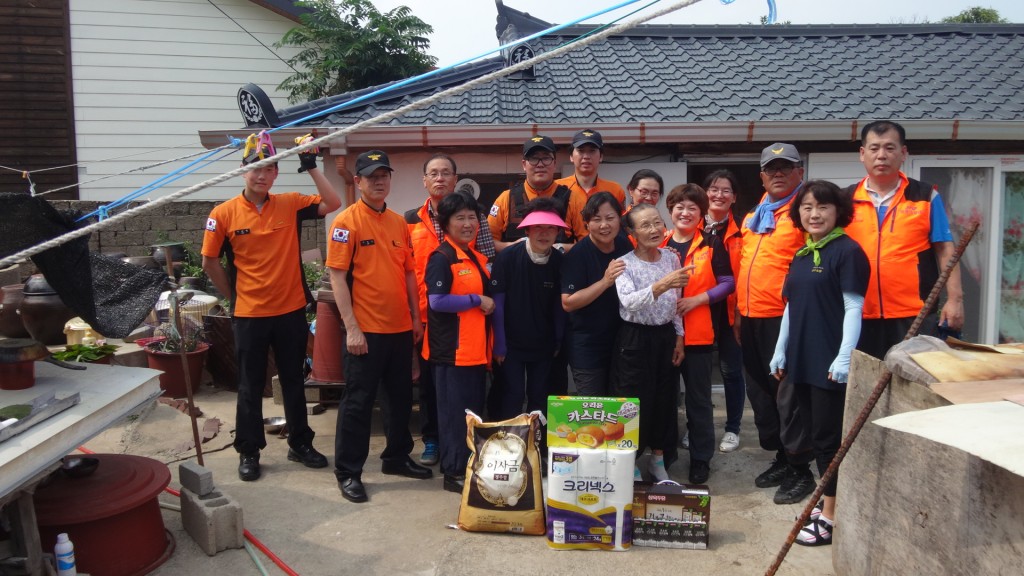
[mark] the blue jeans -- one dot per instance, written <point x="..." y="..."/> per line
<point x="730" y="363"/>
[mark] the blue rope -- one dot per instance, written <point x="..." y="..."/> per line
<point x="103" y="211"/>
<point x="771" y="10"/>
<point x="433" y="73"/>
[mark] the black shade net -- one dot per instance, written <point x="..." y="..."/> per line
<point x="114" y="297"/>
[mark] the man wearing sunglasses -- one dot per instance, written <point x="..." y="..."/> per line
<point x="769" y="242"/>
<point x="509" y="209"/>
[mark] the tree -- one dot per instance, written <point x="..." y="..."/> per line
<point x="976" y="15"/>
<point x="349" y="44"/>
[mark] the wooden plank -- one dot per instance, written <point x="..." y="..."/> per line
<point x="963" y="366"/>
<point x="983" y="391"/>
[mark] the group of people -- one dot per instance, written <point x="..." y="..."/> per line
<point x="492" y="316"/>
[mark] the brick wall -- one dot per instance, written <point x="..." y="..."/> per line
<point x="177" y="222"/>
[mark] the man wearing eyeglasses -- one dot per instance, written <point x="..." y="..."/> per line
<point x="439" y="177"/>
<point x="769" y="242"/>
<point x="509" y="209"/>
<point x="587" y="155"/>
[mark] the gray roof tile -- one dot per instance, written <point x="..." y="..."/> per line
<point x="736" y="73"/>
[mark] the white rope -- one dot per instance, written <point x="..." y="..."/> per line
<point x="386" y="117"/>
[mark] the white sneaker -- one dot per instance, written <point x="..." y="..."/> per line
<point x="729" y="443"/>
<point x="657" y="469"/>
<point x="684" y="443"/>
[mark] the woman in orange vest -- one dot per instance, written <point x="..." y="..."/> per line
<point x="825" y="290"/>
<point x="711" y="281"/>
<point x="722" y="187"/>
<point x="458" y="337"/>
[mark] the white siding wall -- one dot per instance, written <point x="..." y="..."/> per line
<point x="150" y="74"/>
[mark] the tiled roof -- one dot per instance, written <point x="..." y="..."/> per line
<point x="735" y="73"/>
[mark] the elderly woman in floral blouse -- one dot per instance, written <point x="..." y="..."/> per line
<point x="649" y="345"/>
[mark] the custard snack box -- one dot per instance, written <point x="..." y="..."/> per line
<point x="593" y="422"/>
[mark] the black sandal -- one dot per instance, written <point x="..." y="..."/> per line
<point x="816" y="533"/>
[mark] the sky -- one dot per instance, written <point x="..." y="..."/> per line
<point x="464" y="29"/>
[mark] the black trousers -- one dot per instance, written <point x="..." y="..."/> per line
<point x="642" y="368"/>
<point x="879" y="334"/>
<point x="387" y="365"/>
<point x="254" y="337"/>
<point x="824" y="425"/>
<point x="458" y="388"/>
<point x="757" y="339"/>
<point x="700" y="417"/>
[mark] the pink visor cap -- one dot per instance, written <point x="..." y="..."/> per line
<point x="542" y="218"/>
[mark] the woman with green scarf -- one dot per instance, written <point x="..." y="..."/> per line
<point x="820" y="327"/>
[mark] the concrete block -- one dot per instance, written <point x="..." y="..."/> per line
<point x="195" y="478"/>
<point x="314" y="408"/>
<point x="214" y="521"/>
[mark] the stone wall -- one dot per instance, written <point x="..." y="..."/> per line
<point x="182" y="221"/>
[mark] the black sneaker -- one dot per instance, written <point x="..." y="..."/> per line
<point x="699" y="472"/>
<point x="249" y="467"/>
<point x="308" y="456"/>
<point x="773" y="476"/>
<point x="797" y="485"/>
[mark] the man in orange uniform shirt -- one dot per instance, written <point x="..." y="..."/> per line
<point x="587" y="155"/>
<point x="369" y="257"/>
<point x="259" y="233"/>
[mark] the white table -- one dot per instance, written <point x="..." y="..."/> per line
<point x="108" y="393"/>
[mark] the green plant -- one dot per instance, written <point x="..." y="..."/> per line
<point x="189" y="339"/>
<point x="346" y="45"/>
<point x="85" y="352"/>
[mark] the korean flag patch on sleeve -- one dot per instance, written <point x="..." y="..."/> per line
<point x="339" y="235"/>
<point x="211" y="224"/>
<point x="494" y="211"/>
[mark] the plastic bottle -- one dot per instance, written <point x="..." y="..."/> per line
<point x="65" y="553"/>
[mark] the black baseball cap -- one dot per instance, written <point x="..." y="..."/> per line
<point x="370" y="161"/>
<point x="538" y="142"/>
<point x="588" y="136"/>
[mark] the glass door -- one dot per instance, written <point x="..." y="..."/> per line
<point x="967" y="190"/>
<point x="1010" y="318"/>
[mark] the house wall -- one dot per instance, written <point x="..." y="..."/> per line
<point x="149" y="75"/>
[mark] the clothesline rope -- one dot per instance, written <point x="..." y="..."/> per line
<point x="321" y="141"/>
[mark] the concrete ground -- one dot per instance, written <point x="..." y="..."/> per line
<point x="299" y="514"/>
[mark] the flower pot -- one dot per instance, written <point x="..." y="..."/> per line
<point x="43" y="312"/>
<point x="11" y="325"/>
<point x="176" y="250"/>
<point x="172" y="381"/>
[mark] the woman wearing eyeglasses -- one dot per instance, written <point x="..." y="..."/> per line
<point x="645" y="188"/>
<point x="649" y="345"/>
<point x="721" y="187"/>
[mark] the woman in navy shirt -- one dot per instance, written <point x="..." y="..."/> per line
<point x="820" y="327"/>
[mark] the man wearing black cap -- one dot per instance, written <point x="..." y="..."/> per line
<point x="769" y="242"/>
<point x="509" y="209"/>
<point x="370" y="260"/>
<point x="259" y="232"/>
<point x="587" y="155"/>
